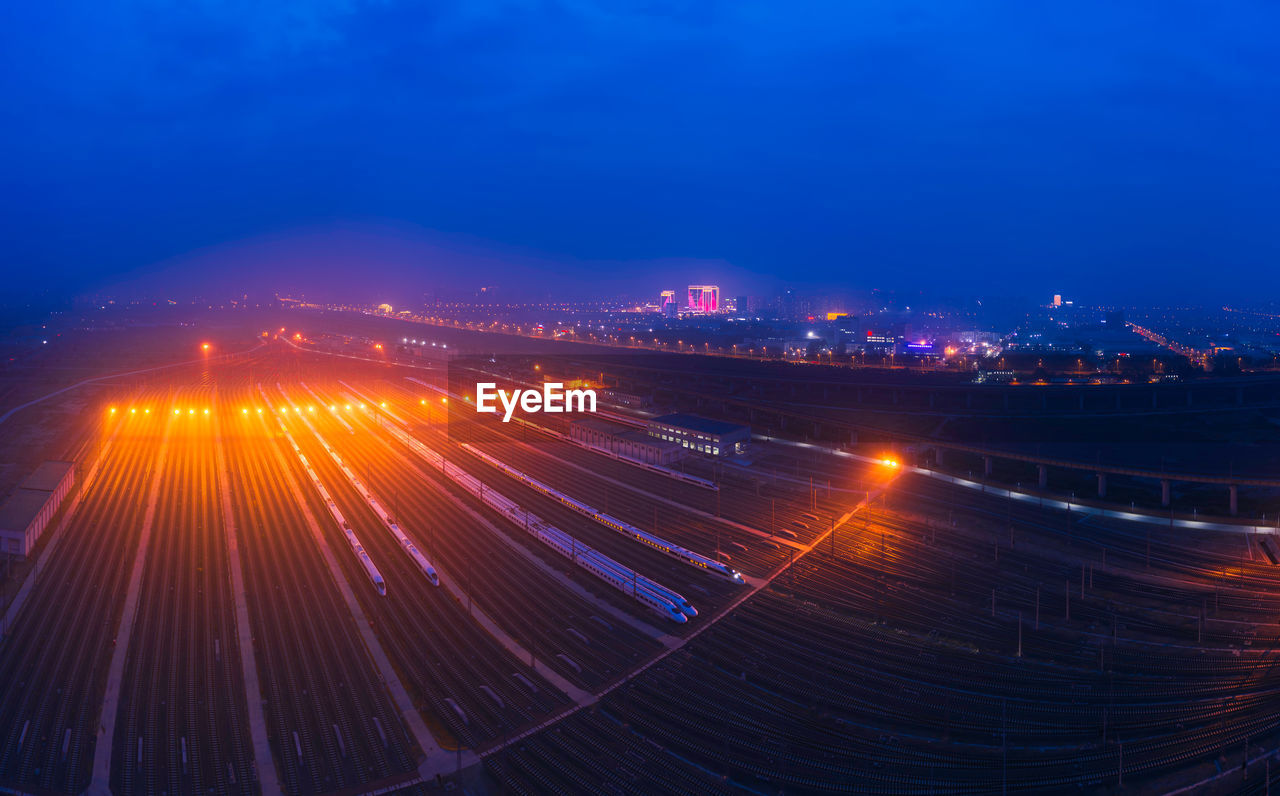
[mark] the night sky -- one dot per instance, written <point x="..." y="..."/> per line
<point x="1111" y="150"/>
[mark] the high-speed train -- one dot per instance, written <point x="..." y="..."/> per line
<point x="415" y="554"/>
<point x="625" y="580"/>
<point x="656" y="542"/>
<point x="419" y="560"/>
<point x="657" y="597"/>
<point x="369" y="569"/>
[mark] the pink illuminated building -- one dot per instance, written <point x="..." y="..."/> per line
<point x="704" y="298"/>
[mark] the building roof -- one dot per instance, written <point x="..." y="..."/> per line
<point x="703" y="425"/>
<point x="17" y="512"/>
<point x="602" y="426"/>
<point x="48" y="475"/>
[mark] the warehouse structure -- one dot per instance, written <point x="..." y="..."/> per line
<point x="621" y="440"/>
<point x="701" y="434"/>
<point x="27" y="512"/>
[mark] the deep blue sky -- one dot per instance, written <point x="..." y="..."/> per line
<point x="1107" y="149"/>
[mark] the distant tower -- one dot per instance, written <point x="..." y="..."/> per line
<point x="668" y="305"/>
<point x="1057" y="299"/>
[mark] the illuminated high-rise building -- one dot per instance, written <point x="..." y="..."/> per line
<point x="1057" y="300"/>
<point x="704" y="298"/>
<point x="666" y="297"/>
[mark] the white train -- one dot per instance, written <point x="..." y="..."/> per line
<point x="656" y="542"/>
<point x="645" y="591"/>
<point x="416" y="555"/>
<point x="420" y="561"/>
<point x="369" y="569"/>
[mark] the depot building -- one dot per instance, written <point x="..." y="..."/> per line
<point x="625" y="441"/>
<point x="25" y="514"/>
<point x="701" y="434"/>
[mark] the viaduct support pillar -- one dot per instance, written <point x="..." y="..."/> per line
<point x="938" y="457"/>
<point x="986" y="466"/>
<point x="1235" y="500"/>
<point x="1164" y="492"/>
<point x="1044" y="476"/>
<point x="1102" y="485"/>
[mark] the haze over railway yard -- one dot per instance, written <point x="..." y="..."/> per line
<point x="651" y="398"/>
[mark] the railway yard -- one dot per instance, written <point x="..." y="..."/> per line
<point x="300" y="573"/>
